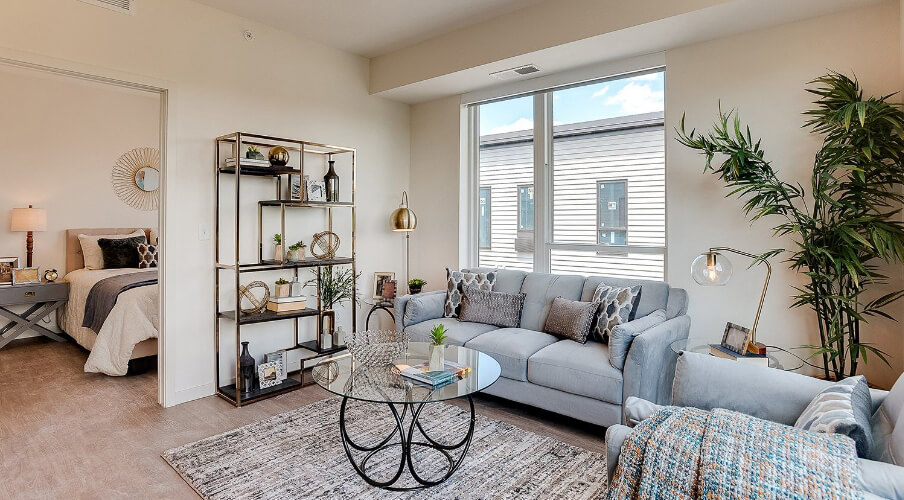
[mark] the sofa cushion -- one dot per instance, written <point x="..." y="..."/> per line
<point x="540" y="289"/>
<point x="512" y="347"/>
<point x="457" y="332"/>
<point x="888" y="436"/>
<point x="842" y="408"/>
<point x="494" y="308"/>
<point x="507" y="280"/>
<point x="455" y="283"/>
<point x="570" y="319"/>
<point x="655" y="294"/>
<point x="423" y="307"/>
<point x="581" y="369"/>
<point x="623" y="335"/>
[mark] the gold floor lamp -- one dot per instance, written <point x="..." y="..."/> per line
<point x="404" y="220"/>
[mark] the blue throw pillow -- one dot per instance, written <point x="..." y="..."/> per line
<point x="842" y="408"/>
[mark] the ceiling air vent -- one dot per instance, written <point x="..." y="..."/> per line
<point x="124" y="6"/>
<point x="510" y="74"/>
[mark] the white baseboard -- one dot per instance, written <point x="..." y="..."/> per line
<point x="191" y="394"/>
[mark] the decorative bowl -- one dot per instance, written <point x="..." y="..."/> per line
<point x="376" y="347"/>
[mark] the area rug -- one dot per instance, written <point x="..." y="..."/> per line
<point x="299" y="454"/>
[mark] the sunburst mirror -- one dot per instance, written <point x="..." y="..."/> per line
<point x="136" y="178"/>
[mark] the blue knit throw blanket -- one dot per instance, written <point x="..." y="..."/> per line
<point x="692" y="453"/>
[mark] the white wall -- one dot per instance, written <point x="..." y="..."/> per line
<point x="59" y="139"/>
<point x="220" y="83"/>
<point x="763" y="73"/>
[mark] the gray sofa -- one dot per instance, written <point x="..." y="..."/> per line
<point x="564" y="376"/>
<point x="707" y="382"/>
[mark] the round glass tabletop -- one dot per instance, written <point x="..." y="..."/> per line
<point x="778" y="357"/>
<point x="346" y="377"/>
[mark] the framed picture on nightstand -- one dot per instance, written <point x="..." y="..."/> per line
<point x="7" y="264"/>
<point x="26" y="275"/>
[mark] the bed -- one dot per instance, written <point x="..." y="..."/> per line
<point x="130" y="331"/>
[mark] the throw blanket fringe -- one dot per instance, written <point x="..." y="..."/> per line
<point x="692" y="453"/>
<point x="104" y="293"/>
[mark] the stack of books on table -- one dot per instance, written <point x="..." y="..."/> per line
<point x="249" y="162"/>
<point x="421" y="373"/>
<point x="722" y="352"/>
<point x="287" y="304"/>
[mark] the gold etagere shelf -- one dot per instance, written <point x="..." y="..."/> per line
<point x="235" y="143"/>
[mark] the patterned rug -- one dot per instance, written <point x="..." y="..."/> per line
<point x="299" y="454"/>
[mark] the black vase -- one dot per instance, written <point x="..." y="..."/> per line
<point x="246" y="361"/>
<point x="331" y="181"/>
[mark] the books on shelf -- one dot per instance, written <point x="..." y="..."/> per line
<point x="297" y="305"/>
<point x="451" y="372"/>
<point x="249" y="162"/>
<point x="286" y="300"/>
<point x="721" y="352"/>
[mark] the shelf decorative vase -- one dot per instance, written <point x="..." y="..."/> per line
<point x="295" y="288"/>
<point x="246" y="362"/>
<point x="327" y="325"/>
<point x="331" y="181"/>
<point x="437" y="355"/>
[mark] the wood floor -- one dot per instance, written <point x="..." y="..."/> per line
<point x="69" y="434"/>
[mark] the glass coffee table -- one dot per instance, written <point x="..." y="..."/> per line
<point x="405" y="400"/>
<point x="779" y="358"/>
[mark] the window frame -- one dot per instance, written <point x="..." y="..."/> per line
<point x="489" y="218"/>
<point x="598" y="214"/>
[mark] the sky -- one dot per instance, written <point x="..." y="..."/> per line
<point x="626" y="96"/>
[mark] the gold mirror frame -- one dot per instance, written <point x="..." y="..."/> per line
<point x="123" y="178"/>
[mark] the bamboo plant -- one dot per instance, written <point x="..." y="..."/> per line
<point x="847" y="226"/>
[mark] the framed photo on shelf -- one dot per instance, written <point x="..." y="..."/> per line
<point x="268" y="374"/>
<point x="279" y="357"/>
<point x="315" y="190"/>
<point x="296" y="190"/>
<point x="389" y="290"/>
<point x="26" y="275"/>
<point x="380" y="280"/>
<point x="735" y="338"/>
<point x="7" y="264"/>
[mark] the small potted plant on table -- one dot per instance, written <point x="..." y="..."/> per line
<point x="283" y="288"/>
<point x="277" y="247"/>
<point x="437" y="347"/>
<point x="415" y="285"/>
<point x="296" y="251"/>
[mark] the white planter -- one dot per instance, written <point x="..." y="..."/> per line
<point x="437" y="356"/>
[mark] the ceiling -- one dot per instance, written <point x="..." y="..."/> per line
<point x="369" y="27"/>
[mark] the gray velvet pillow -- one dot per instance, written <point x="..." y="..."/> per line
<point x="493" y="308"/>
<point x="570" y="319"/>
<point x="842" y="408"/>
<point x="623" y="334"/>
<point x="423" y="307"/>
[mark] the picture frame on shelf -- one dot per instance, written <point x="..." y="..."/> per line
<point x="26" y="275"/>
<point x="270" y="374"/>
<point x="281" y="358"/>
<point x="735" y="338"/>
<point x="315" y="190"/>
<point x="7" y="264"/>
<point x="389" y="291"/>
<point x="296" y="187"/>
<point x="380" y="279"/>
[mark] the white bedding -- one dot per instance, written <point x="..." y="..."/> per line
<point x="133" y="319"/>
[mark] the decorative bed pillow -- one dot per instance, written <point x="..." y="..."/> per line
<point x="842" y="408"/>
<point x="570" y="319"/>
<point x="492" y="308"/>
<point x="147" y="256"/>
<point x="93" y="257"/>
<point x="617" y="305"/>
<point x="119" y="253"/>
<point x="623" y="335"/>
<point x="455" y="283"/>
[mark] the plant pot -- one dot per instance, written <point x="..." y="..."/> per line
<point x="415" y="289"/>
<point x="256" y="155"/>
<point x="437" y="357"/>
<point x="277" y="253"/>
<point x="295" y="255"/>
<point x="282" y="290"/>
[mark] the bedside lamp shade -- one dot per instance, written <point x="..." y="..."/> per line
<point x="28" y="219"/>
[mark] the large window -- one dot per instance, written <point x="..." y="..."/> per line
<point x="577" y="177"/>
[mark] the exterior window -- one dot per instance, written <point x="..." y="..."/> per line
<point x="612" y="212"/>
<point x="526" y="208"/>
<point x="485" y="213"/>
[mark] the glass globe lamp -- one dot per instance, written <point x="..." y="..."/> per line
<point x="711" y="269"/>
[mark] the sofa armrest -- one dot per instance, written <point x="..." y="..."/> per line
<point x="615" y="438"/>
<point x="650" y="365"/>
<point x="881" y="479"/>
<point x="401" y="303"/>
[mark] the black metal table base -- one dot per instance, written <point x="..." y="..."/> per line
<point x="407" y="440"/>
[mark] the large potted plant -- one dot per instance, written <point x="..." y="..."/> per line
<point x="846" y="227"/>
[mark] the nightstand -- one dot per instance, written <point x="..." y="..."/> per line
<point x="44" y="298"/>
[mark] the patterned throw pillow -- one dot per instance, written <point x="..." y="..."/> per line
<point x="570" y="319"/>
<point x="617" y="305"/>
<point x="147" y="256"/>
<point x="455" y="283"/>
<point x="842" y="408"/>
<point x="492" y="308"/>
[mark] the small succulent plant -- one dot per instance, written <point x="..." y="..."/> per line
<point x="438" y="334"/>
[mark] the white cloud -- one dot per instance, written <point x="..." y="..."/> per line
<point x="600" y="93"/>
<point x="519" y="124"/>
<point x="635" y="98"/>
<point x="649" y="77"/>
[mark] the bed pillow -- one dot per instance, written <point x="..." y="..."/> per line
<point x="492" y="308"/>
<point x="455" y="283"/>
<point x="570" y="319"/>
<point x="120" y="252"/>
<point x="147" y="256"/>
<point x="842" y="408"/>
<point x="617" y="305"/>
<point x="623" y="335"/>
<point x="93" y="257"/>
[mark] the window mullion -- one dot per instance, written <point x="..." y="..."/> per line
<point x="542" y="186"/>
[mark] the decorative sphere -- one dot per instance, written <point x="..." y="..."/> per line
<point x="279" y="156"/>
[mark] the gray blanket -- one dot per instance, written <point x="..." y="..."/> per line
<point x="104" y="293"/>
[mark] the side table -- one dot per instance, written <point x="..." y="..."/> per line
<point x="779" y="358"/>
<point x="45" y="298"/>
<point x="383" y="305"/>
